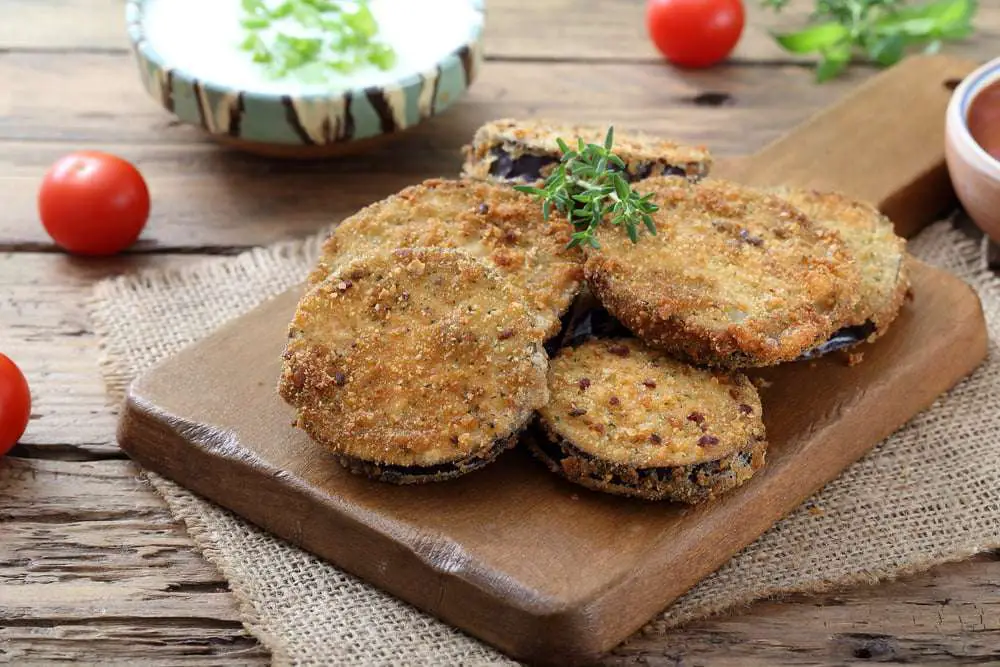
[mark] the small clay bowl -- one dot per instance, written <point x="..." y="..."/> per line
<point x="285" y="119"/>
<point x="975" y="174"/>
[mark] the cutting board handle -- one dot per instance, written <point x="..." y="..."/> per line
<point x="884" y="143"/>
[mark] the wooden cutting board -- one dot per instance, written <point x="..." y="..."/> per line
<point x="547" y="571"/>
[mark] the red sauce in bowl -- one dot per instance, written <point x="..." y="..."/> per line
<point x="984" y="119"/>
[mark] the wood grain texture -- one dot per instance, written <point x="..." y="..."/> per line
<point x="723" y="103"/>
<point x="615" y="29"/>
<point x="555" y="586"/>
<point x="948" y="616"/>
<point x="205" y="196"/>
<point x="93" y="567"/>
<point x="865" y="148"/>
<point x="587" y="29"/>
<point x="44" y="326"/>
<point x="259" y="201"/>
<point x="124" y="641"/>
<point x="62" y="25"/>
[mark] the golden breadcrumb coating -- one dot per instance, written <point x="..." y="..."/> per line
<point x="871" y="239"/>
<point x="414" y="357"/>
<point x="733" y="277"/>
<point x="616" y="404"/>
<point x="487" y="221"/>
<point x="627" y="403"/>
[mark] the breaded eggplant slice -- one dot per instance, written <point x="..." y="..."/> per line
<point x="880" y="256"/>
<point x="626" y="419"/>
<point x="525" y="151"/>
<point x="489" y="222"/>
<point x="734" y="277"/>
<point x="413" y="365"/>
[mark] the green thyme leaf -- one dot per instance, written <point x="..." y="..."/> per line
<point x="621" y="187"/>
<point x="284" y="9"/>
<point x="382" y="56"/>
<point x="588" y="188"/>
<point x="361" y="22"/>
<point x="648" y="220"/>
<point x="307" y="16"/>
<point x="250" y="42"/>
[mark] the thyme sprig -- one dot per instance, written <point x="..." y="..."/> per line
<point x="588" y="186"/>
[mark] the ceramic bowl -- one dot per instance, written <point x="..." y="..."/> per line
<point x="304" y="123"/>
<point x="974" y="173"/>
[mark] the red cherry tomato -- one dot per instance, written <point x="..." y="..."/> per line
<point x="15" y="404"/>
<point x="695" y="33"/>
<point x="93" y="203"/>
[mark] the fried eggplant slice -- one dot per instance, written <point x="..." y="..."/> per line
<point x="413" y="365"/>
<point x="880" y="256"/>
<point x="629" y="420"/>
<point x="734" y="276"/>
<point x="490" y="222"/>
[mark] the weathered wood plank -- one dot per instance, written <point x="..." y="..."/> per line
<point x="55" y="492"/>
<point x="174" y="643"/>
<point x="742" y="101"/>
<point x="93" y="567"/>
<point x="205" y="196"/>
<point x="44" y="327"/>
<point x="135" y="599"/>
<point x="101" y="551"/>
<point x="950" y="615"/>
<point x="588" y="29"/>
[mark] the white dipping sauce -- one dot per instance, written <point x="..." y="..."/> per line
<point x="203" y="37"/>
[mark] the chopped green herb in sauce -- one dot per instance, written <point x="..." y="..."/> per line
<point x="312" y="39"/>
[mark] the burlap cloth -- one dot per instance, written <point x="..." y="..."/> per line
<point x="928" y="494"/>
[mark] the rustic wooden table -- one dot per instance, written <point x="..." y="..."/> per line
<point x="93" y="568"/>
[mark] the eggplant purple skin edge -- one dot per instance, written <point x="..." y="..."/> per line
<point x="598" y="322"/>
<point x="528" y="167"/>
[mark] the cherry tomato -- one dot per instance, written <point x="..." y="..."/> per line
<point x="694" y="33"/>
<point x="93" y="203"/>
<point x="15" y="404"/>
